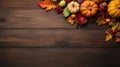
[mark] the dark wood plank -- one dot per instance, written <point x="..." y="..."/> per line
<point x="53" y="37"/>
<point x="32" y="18"/>
<point x="60" y="57"/>
<point x="26" y="4"/>
<point x="36" y="18"/>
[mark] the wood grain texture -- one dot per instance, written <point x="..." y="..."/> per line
<point x="17" y="4"/>
<point x="32" y="37"/>
<point x="37" y="18"/>
<point x="53" y="37"/>
<point x="60" y="57"/>
<point x="32" y="18"/>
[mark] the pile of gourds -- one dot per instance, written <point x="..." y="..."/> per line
<point x="80" y="12"/>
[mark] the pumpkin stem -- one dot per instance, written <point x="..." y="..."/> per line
<point x="73" y="5"/>
<point x="118" y="7"/>
<point x="90" y="8"/>
<point x="104" y="4"/>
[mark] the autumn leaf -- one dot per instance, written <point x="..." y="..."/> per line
<point x="118" y="28"/>
<point x="108" y="37"/>
<point x="109" y="31"/>
<point x="100" y="21"/>
<point x="114" y="28"/>
<point x="47" y="4"/>
<point x="117" y="40"/>
<point x="71" y="20"/>
<point x="109" y="34"/>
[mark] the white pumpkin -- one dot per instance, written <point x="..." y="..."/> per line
<point x="73" y="7"/>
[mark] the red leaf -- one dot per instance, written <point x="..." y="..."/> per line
<point x="117" y="40"/>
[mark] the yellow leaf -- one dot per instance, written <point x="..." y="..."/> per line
<point x="115" y="26"/>
<point x="108" y="37"/>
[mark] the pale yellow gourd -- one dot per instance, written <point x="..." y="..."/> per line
<point x="73" y="7"/>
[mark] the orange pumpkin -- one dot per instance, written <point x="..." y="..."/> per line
<point x="97" y="1"/>
<point x="88" y="8"/>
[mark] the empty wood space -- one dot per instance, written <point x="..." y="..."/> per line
<point x="32" y="37"/>
<point x="60" y="57"/>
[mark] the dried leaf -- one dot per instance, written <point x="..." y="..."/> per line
<point x="101" y="21"/>
<point x="118" y="27"/>
<point x="114" y="28"/>
<point x="66" y="13"/>
<point x="70" y="20"/>
<point x="47" y="4"/>
<point x="109" y="31"/>
<point x="109" y="34"/>
<point x="117" y="40"/>
<point x="108" y="37"/>
<point x="111" y="24"/>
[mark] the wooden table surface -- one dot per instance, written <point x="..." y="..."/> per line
<point x="32" y="37"/>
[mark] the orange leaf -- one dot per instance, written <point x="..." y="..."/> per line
<point x="70" y="20"/>
<point x="101" y="21"/>
<point x="47" y="4"/>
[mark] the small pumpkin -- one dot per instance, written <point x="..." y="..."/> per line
<point x="73" y="7"/>
<point x="88" y="8"/>
<point x="114" y="8"/>
<point x="97" y="1"/>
